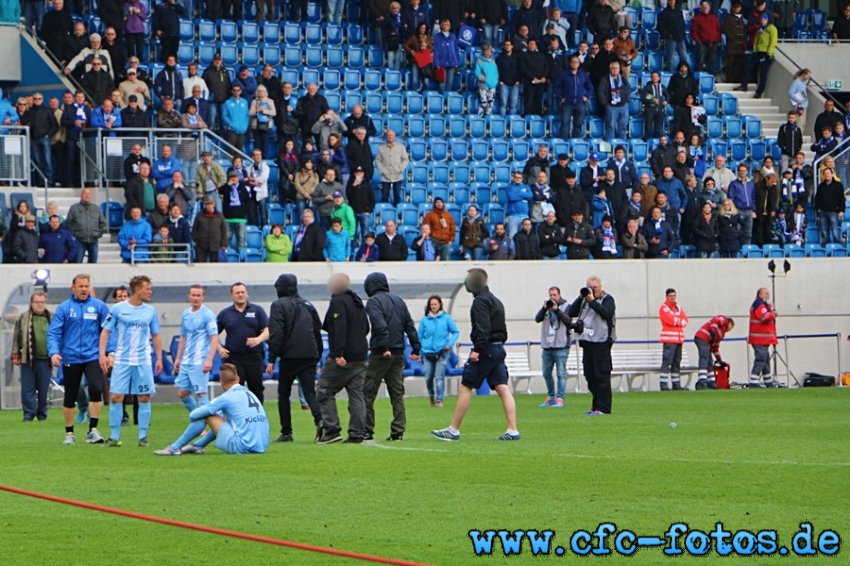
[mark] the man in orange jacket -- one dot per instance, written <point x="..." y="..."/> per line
<point x="707" y="340"/>
<point x="673" y="323"/>
<point x="762" y="335"/>
<point x="443" y="228"/>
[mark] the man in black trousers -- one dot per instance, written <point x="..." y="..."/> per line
<point x="293" y="321"/>
<point x="596" y="310"/>
<point x="345" y="368"/>
<point x="390" y="321"/>
<point x="247" y="327"/>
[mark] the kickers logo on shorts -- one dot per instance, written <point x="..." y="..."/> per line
<point x="256" y="419"/>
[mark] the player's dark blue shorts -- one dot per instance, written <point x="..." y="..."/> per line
<point x="490" y="367"/>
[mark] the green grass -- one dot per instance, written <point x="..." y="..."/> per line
<point x="751" y="459"/>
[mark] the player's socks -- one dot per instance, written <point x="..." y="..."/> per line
<point x="144" y="419"/>
<point x="193" y="431"/>
<point x="93" y="423"/>
<point x="69" y="429"/>
<point x="453" y="430"/>
<point x="116" y="413"/>
<point x="189" y="403"/>
<point x="203" y="400"/>
<point x="204" y="440"/>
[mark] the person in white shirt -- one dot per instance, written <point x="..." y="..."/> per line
<point x="258" y="178"/>
<point x="194" y="80"/>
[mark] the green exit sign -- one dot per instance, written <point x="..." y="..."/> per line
<point x="834" y="85"/>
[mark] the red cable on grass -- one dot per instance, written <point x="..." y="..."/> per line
<point x="212" y="530"/>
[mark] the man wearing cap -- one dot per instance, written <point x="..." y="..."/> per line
<point x="234" y="202"/>
<point x="134" y="116"/>
<point x="392" y="162"/>
<point x="558" y="172"/>
<point x="345" y="213"/>
<point x="766" y="38"/>
<point x="323" y="198"/>
<point x="134" y="86"/>
<point x="569" y="198"/>
<point x="573" y="88"/>
<point x="590" y="176"/>
<point x="210" y="176"/>
<point x="234" y="116"/>
<point x="217" y="79"/>
<point x="247" y="82"/>
<point x="24" y="248"/>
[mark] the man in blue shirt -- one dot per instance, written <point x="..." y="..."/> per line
<point x="135" y="325"/>
<point x="518" y="195"/>
<point x="196" y="350"/>
<point x="237" y="419"/>
<point x="742" y="191"/>
<point x="71" y="343"/>
<point x="247" y="327"/>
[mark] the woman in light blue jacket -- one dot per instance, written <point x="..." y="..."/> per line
<point x="799" y="95"/>
<point x="488" y="80"/>
<point x="437" y="333"/>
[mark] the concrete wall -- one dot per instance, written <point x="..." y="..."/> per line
<point x="811" y="299"/>
<point x="10" y="47"/>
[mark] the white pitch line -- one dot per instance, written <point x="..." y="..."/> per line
<point x="402" y="448"/>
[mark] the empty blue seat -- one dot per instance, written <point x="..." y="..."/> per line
<point x="385" y="211"/>
<point x="454" y="103"/>
<point x="836" y="250"/>
<point x="818" y="19"/>
<point x="773" y="250"/>
<point x="520" y="150"/>
<point x="714" y="128"/>
<point x="459" y="172"/>
<point x="480" y="150"/>
<point x="648" y="18"/>
<point x="334" y="100"/>
<point x="395" y="103"/>
<point x="331" y="79"/>
<point x="253" y="237"/>
<point x="313" y="34"/>
<point x="309" y="76"/>
<point x="372" y="81"/>
<point x="436" y="125"/>
<point x="289" y="76"/>
<point x="356" y="57"/>
<point x="439" y="172"/>
<point x="636" y="128"/>
<point x="639" y="150"/>
<point x="459" y="193"/>
<point x="516" y="127"/>
<point x="728" y="103"/>
<point x="207" y="31"/>
<point x="418" y="193"/>
<point x="229" y="54"/>
<point x="459" y="149"/>
<point x="333" y="34"/>
<point x="500" y="149"/>
<point x="292" y="56"/>
<point x="758" y="149"/>
<point x="500" y="173"/>
<point x="439" y="149"/>
<point x="392" y="80"/>
<point x="292" y="33"/>
<point x="483" y="194"/>
<point x="706" y="83"/>
<point x="497" y="126"/>
<point x="753" y="127"/>
<point x="314" y="56"/>
<point x="250" y="55"/>
<point x="228" y="31"/>
<point x="711" y="104"/>
<point x="738" y="149"/>
<point x="250" y="32"/>
<point x="733" y="126"/>
<point x="271" y="55"/>
<point x="187" y="30"/>
<point x="418" y="174"/>
<point x="351" y="81"/>
<point x="408" y="214"/>
<point x="376" y="57"/>
<point x="597" y="128"/>
<point x="418" y="149"/>
<point x="457" y="126"/>
<point x="752" y="251"/>
<point x="815" y="250"/>
<point x="185" y="53"/>
<point x="414" y="101"/>
<point x="271" y="32"/>
<point x="206" y="52"/>
<point x="374" y="103"/>
<point x="494" y="213"/>
<point x="415" y="126"/>
<point x="354" y="34"/>
<point x="795" y="250"/>
<point x="655" y="59"/>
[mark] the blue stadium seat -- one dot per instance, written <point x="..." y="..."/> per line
<point x="536" y="126"/>
<point x="356" y="58"/>
<point x="309" y="76"/>
<point x="289" y="76"/>
<point x="454" y="103"/>
<point x="648" y="18"/>
<point x="253" y="237"/>
<point x="271" y="55"/>
<point x="481" y="172"/>
<point x="733" y="126"/>
<point x="706" y="82"/>
<point x="395" y="103"/>
<point x="581" y="149"/>
<point x="418" y="193"/>
<point x="801" y="20"/>
<point x="516" y="127"/>
<point x="480" y="150"/>
<point x="483" y="194"/>
<point x="331" y="79"/>
<point x="418" y="149"/>
<point x="250" y="55"/>
<point x="639" y="150"/>
<point x="501" y="150"/>
<point x="457" y="127"/>
<point x="752" y="251"/>
<point x="335" y="57"/>
<point x="187" y="30"/>
<point x="313" y="34"/>
<point x="758" y="149"/>
<point x="228" y="31"/>
<point x="394" y="122"/>
<point x="334" y="34"/>
<point x="314" y="56"/>
<point x="728" y="103"/>
<point x="436" y="125"/>
<point x="773" y="251"/>
<point x="459" y="193"/>
<point x="415" y="102"/>
<point x="229" y="54"/>
<point x="714" y="128"/>
<point x="458" y="149"/>
<point x="795" y="250"/>
<point x="418" y="174"/>
<point x="494" y="213"/>
<point x="408" y="214"/>
<point x="392" y="80"/>
<point x="497" y="126"/>
<point x="415" y="126"/>
<point x="836" y="250"/>
<point x="250" y="32"/>
<point x="206" y="52"/>
<point x="439" y="172"/>
<point x="655" y="59"/>
<point x="334" y="100"/>
<point x="271" y="33"/>
<point x="434" y="103"/>
<point x="277" y="214"/>
<point x="818" y="19"/>
<point x="384" y="211"/>
<point x="354" y="34"/>
<point x="439" y="149"/>
<point x="232" y="256"/>
<point x="351" y="82"/>
<point x="500" y="173"/>
<point x="185" y="53"/>
<point x="438" y="191"/>
<point x="711" y="104"/>
<point x="636" y="128"/>
<point x="738" y="149"/>
<point x="459" y="171"/>
<point x="292" y="56"/>
<point x="372" y="81"/>
<point x="375" y="56"/>
<point x="815" y="250"/>
<point x="753" y="127"/>
<point x="374" y="103"/>
<point x="207" y="30"/>
<point x="719" y="147"/>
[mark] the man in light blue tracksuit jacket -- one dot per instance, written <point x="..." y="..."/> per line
<point x="518" y="195"/>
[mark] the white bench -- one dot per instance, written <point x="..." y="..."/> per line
<point x="627" y="365"/>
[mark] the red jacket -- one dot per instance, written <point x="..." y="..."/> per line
<point x="713" y="332"/>
<point x="762" y="325"/>
<point x="673" y="323"/>
<point x="705" y="28"/>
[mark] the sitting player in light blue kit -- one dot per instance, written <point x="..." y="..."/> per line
<point x="236" y="417"/>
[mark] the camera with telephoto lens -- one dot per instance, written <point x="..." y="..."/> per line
<point x="550" y="303"/>
<point x="577" y="326"/>
<point x="584" y="291"/>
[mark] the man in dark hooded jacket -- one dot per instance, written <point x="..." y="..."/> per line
<point x="293" y="321"/>
<point x="345" y="368"/>
<point x="390" y="320"/>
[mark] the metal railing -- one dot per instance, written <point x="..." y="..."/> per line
<point x="102" y="153"/>
<point x="161" y="253"/>
<point x="822" y="88"/>
<point x="15" y="152"/>
<point x="841" y="155"/>
<point x="780" y="357"/>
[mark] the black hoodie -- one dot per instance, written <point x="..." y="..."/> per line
<point x="291" y="320"/>
<point x="347" y="327"/>
<point x="389" y="317"/>
<point x="487" y="316"/>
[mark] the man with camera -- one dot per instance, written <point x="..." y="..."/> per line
<point x="761" y="337"/>
<point x="595" y="310"/>
<point x="555" y="342"/>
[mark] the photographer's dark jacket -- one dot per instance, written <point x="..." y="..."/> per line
<point x="599" y="320"/>
<point x="555" y="331"/>
<point x="389" y="317"/>
<point x="291" y="320"/>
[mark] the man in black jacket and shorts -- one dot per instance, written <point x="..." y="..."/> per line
<point x="295" y="338"/>
<point x="487" y="360"/>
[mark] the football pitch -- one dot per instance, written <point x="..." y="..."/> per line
<point x="751" y="460"/>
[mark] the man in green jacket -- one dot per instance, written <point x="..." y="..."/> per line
<point x="344" y="212"/>
<point x="762" y="55"/>
<point x="29" y="352"/>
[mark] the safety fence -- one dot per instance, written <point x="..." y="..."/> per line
<point x="161" y="253"/>
<point x="15" y="155"/>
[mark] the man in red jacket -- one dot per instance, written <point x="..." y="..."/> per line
<point x="705" y="31"/>
<point x="707" y="340"/>
<point x="673" y="323"/>
<point x="762" y="336"/>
